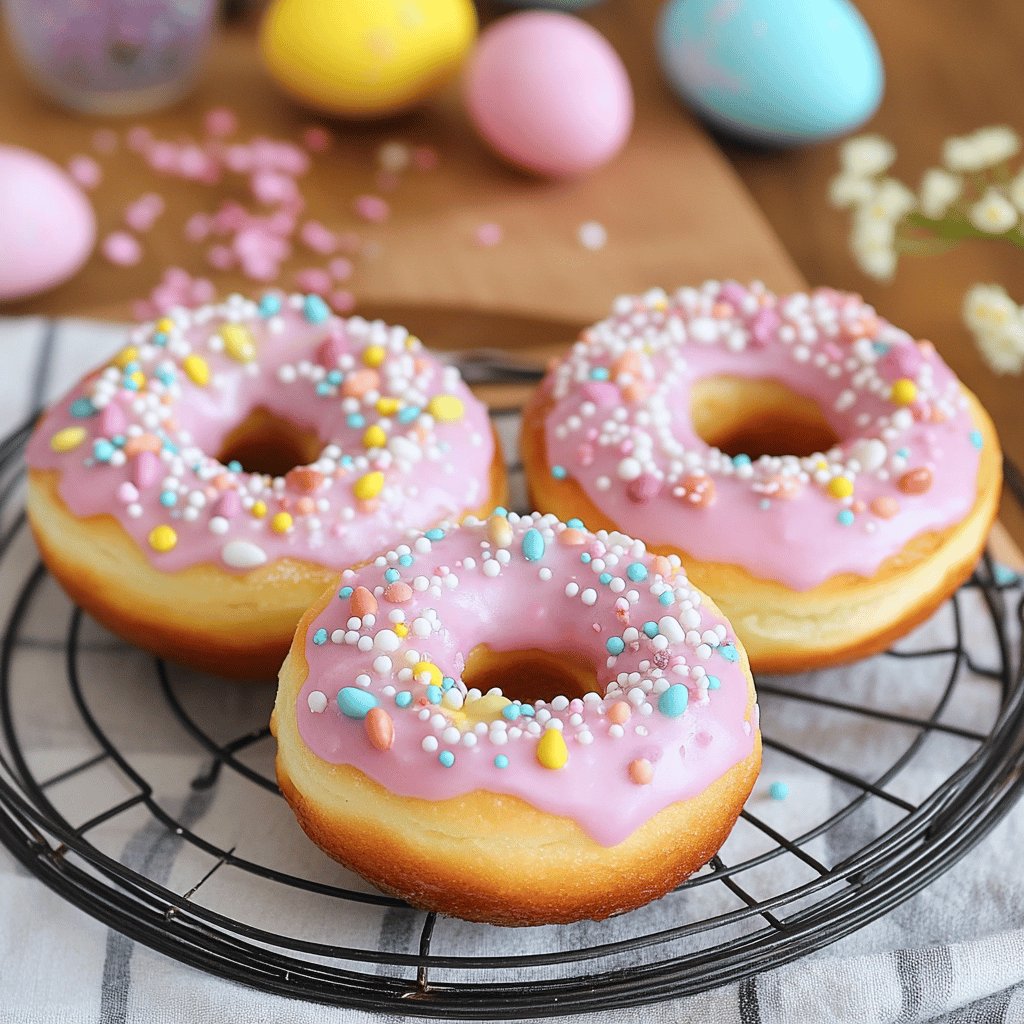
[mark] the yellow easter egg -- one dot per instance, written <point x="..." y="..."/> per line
<point x="366" y="58"/>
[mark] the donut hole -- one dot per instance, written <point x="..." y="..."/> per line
<point x="266" y="443"/>
<point x="531" y="674"/>
<point x="755" y="417"/>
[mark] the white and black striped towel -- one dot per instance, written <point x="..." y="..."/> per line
<point x="954" y="952"/>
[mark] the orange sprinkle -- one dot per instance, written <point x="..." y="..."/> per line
<point x="142" y="443"/>
<point x="360" y="382"/>
<point x="363" y="602"/>
<point x="620" y="713"/>
<point x="572" y="537"/>
<point x="641" y="771"/>
<point x="398" y="592"/>
<point x="380" y="730"/>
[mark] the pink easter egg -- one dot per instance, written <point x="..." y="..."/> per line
<point x="47" y="228"/>
<point x="549" y="93"/>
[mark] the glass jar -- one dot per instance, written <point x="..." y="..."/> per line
<point x="111" y="56"/>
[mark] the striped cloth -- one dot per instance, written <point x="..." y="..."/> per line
<point x="954" y="952"/>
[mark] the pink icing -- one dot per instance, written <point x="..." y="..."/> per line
<point x="892" y="401"/>
<point x="464" y="589"/>
<point x="144" y="422"/>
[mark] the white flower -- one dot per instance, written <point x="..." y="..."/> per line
<point x="846" y="190"/>
<point x="997" y="143"/>
<point x="893" y="199"/>
<point x="997" y="323"/>
<point x="873" y="245"/>
<point x="993" y="213"/>
<point x="987" y="307"/>
<point x="939" y="190"/>
<point x="867" y="155"/>
<point x="1016" y="191"/>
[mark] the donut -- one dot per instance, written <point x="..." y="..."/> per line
<point x="517" y="721"/>
<point x="824" y="476"/>
<point x="197" y="492"/>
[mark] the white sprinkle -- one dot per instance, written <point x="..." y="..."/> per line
<point x="429" y="743"/>
<point x="592" y="235"/>
<point x="317" y="701"/>
<point x="243" y="554"/>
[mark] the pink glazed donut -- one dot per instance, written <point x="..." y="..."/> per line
<point x="199" y="491"/>
<point x="517" y="721"/>
<point x="824" y="476"/>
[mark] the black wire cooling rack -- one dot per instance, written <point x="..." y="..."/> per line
<point x="883" y="797"/>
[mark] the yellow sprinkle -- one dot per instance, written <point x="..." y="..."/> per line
<point x="165" y="326"/>
<point x="375" y="355"/>
<point x="412" y="342"/>
<point x="401" y="629"/>
<point x="484" y="709"/>
<point x="68" y="439"/>
<point x="368" y="486"/>
<point x="138" y="378"/>
<point x="375" y="437"/>
<point x="904" y="392"/>
<point x="259" y="509"/>
<point x="162" y="538"/>
<point x="446" y="408"/>
<point x="552" y="751"/>
<point x="281" y="522"/>
<point x="430" y="669"/>
<point x="197" y="369"/>
<point x="387" y="406"/>
<point x="125" y="356"/>
<point x="499" y="532"/>
<point x="840" y="487"/>
<point x="238" y="342"/>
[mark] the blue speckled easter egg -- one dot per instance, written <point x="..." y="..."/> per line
<point x="781" y="73"/>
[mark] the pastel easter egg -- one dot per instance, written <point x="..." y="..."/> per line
<point x="549" y="94"/>
<point x="47" y="228"/>
<point x="366" y="58"/>
<point x="775" y="73"/>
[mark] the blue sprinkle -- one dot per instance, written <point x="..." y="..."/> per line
<point x="714" y="682"/>
<point x="672" y="702"/>
<point x="130" y="368"/>
<point x="409" y="413"/>
<point x="651" y="629"/>
<point x="323" y="389"/>
<point x="447" y="758"/>
<point x="347" y="461"/>
<point x="83" y="407"/>
<point x="510" y="712"/>
<point x="165" y="375"/>
<point x="976" y="439"/>
<point x="355" y="702"/>
<point x="270" y="305"/>
<point x="741" y="460"/>
<point x="447" y="683"/>
<point x="778" y="790"/>
<point x="575" y="524"/>
<point x="119" y="440"/>
<point x="729" y="652"/>
<point x="102" y="449"/>
<point x="168" y="499"/>
<point x="405" y="560"/>
<point x="314" y="309"/>
<point x="434" y="694"/>
<point x="170" y="446"/>
<point x="500" y="510"/>
<point x="666" y="598"/>
<point x="129" y="385"/>
<point x="335" y="377"/>
<point x="435" y="534"/>
<point x="235" y="466"/>
<point x="585" y="558"/>
<point x="533" y="545"/>
<point x="345" y="592"/>
<point x="559" y="472"/>
<point x="605" y="578"/>
<point x="764" y="504"/>
<point x="615" y="644"/>
<point x="880" y="347"/>
<point x="845" y="517"/>
<point x="599" y="373"/>
<point x="403" y="698"/>
<point x="320" y="637"/>
<point x="355" y="420"/>
<point x="501" y="761"/>
<point x="527" y="709"/>
<point x="903" y="453"/>
<point x="637" y="572"/>
<point x="1004" y="575"/>
<point x="391" y="575"/>
<point x="160" y="339"/>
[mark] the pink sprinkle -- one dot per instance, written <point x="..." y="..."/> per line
<point x="127" y="492"/>
<point x="316" y="139"/>
<point x="122" y="249"/>
<point x="340" y="268"/>
<point x="763" y="326"/>
<point x="260" y="268"/>
<point x="271" y="187"/>
<point x="343" y="301"/>
<point x="113" y="419"/>
<point x="143" y="213"/>
<point x="220" y="122"/>
<point x="220" y="257"/>
<point x="313" y="279"/>
<point x="203" y="290"/>
<point x="104" y="140"/>
<point x="85" y="171"/>
<point x="139" y="138"/>
<point x="229" y="506"/>
<point x="197" y="227"/>
<point x="163" y="156"/>
<point x="319" y="238"/>
<point x="425" y="158"/>
<point x="489" y="234"/>
<point x="148" y="469"/>
<point x="372" y="208"/>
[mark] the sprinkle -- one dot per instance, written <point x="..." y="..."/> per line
<point x="884" y="507"/>
<point x="446" y="408"/>
<point x="641" y="771"/>
<point x="840" y="487"/>
<point x="430" y="669"/>
<point x="168" y="499"/>
<point x="500" y="761"/>
<point x="270" y="305"/>
<point x="258" y="509"/>
<point x="238" y="342"/>
<point x="637" y="572"/>
<point x="666" y="598"/>
<point x="447" y="758"/>
<point x="436" y="533"/>
<point x="122" y="249"/>
<point x="434" y="694"/>
<point x="916" y="481"/>
<point x="592" y="235"/>
<point x="390" y="575"/>
<point x="196" y="369"/>
<point x="729" y="652"/>
<point x="355" y="702"/>
<point x="315" y="310"/>
<point x="102" y="449"/>
<point x="368" y="486"/>
<point x="162" y="538"/>
<point x="559" y="472"/>
<point x="380" y="729"/>
<point x="741" y="460"/>
<point x="551" y="750"/>
<point x="778" y="790"/>
<point x="845" y="517"/>
<point x="68" y="439"/>
<point x="533" y="545"/>
<point x="363" y="602"/>
<point x="375" y="437"/>
<point x="375" y="355"/>
<point x="81" y="408"/>
<point x="672" y="702"/>
<point x="371" y="208"/>
<point x="317" y="701"/>
<point x="615" y="644"/>
<point x="281" y="522"/>
<point x="976" y="439"/>
<point x="510" y="712"/>
<point x="650" y="629"/>
<point x="904" y="392"/>
<point x="403" y="698"/>
<point x="620" y="713"/>
<point x="398" y="592"/>
<point x="320" y="637"/>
